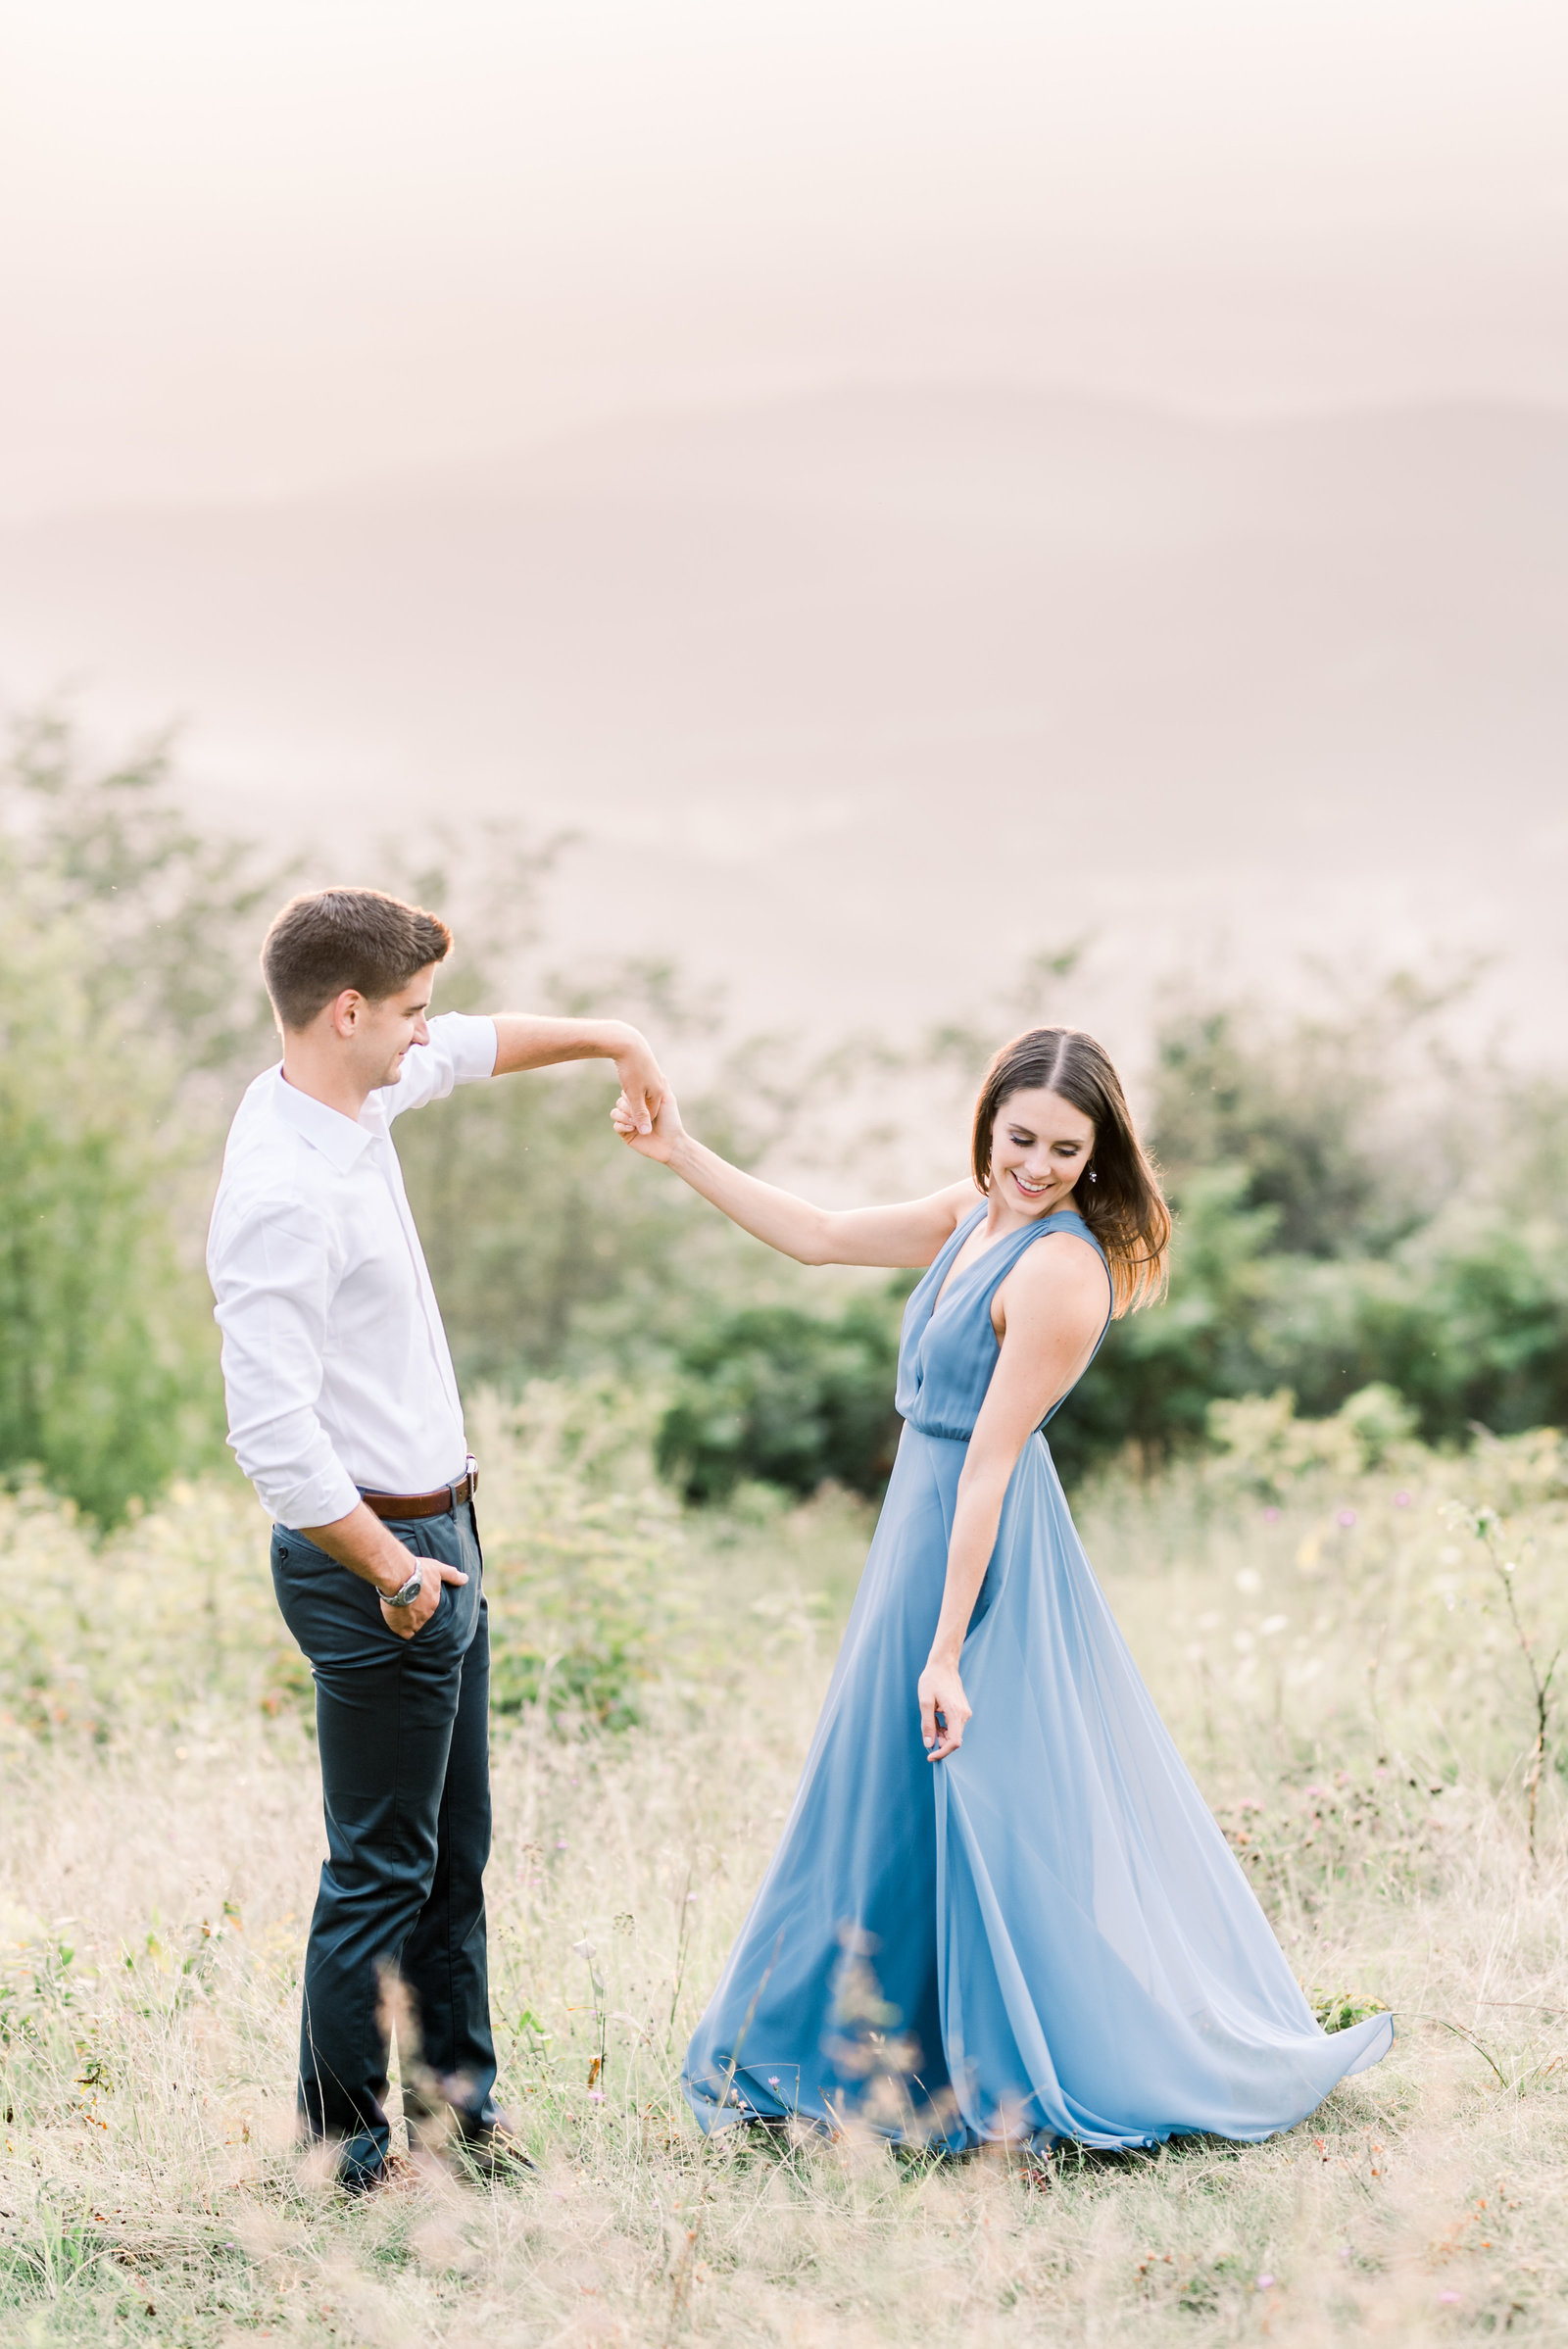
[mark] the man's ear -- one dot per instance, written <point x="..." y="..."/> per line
<point x="344" y="1010"/>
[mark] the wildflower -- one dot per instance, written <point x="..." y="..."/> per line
<point x="1347" y="1518"/>
<point x="561" y="1842"/>
<point x="582" y="1949"/>
<point x="1401" y="1500"/>
<point x="1448" y="2300"/>
<point x="1264" y="2283"/>
<point x="596" y="2095"/>
<point x="773" y="2079"/>
<point x="1271" y="1515"/>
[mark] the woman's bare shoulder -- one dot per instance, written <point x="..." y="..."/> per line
<point x="1060" y="1272"/>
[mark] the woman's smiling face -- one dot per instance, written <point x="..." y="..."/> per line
<point x="1040" y="1145"/>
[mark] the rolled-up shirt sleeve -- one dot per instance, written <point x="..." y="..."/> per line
<point x="272" y="1275"/>
<point x="461" y="1051"/>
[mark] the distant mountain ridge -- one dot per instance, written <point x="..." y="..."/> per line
<point x="1022" y="658"/>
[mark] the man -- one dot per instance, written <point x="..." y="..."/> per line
<point x="343" y="1411"/>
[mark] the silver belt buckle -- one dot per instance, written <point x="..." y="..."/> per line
<point x="469" y="1477"/>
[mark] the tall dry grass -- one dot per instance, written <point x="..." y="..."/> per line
<point x="1340" y="1673"/>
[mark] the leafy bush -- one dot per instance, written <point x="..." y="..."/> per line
<point x="581" y="1555"/>
<point x="1460" y="1306"/>
<point x="1266" y="1450"/>
<point x="172" y="1620"/>
<point x="1331" y="1238"/>
<point x="120" y="990"/>
<point x="785" y="1397"/>
<point x="98" y="1329"/>
<point x="169" y="1621"/>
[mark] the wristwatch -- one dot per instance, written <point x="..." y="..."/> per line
<point x="409" y="1591"/>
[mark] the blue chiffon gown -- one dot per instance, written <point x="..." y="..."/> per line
<point x="1046" y="1936"/>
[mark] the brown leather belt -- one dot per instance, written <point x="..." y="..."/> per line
<point x="444" y="1501"/>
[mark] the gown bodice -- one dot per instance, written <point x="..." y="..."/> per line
<point x="948" y="1349"/>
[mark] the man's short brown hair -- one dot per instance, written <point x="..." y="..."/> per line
<point x="336" y="938"/>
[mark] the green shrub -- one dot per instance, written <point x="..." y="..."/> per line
<point x="1266" y="1451"/>
<point x="785" y="1397"/>
<point x="583" y="1554"/>
<point x="171" y="1621"/>
<point x="121" y="992"/>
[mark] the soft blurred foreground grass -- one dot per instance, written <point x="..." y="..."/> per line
<point x="1330" y="1637"/>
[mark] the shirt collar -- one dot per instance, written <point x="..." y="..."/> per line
<point x="338" y="1139"/>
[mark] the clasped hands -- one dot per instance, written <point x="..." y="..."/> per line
<point x="643" y="1089"/>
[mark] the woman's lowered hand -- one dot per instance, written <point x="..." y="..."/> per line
<point x="944" y="1710"/>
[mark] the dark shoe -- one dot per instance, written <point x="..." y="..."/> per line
<point x="490" y="2149"/>
<point x="396" y="2171"/>
<point x="486" y="2144"/>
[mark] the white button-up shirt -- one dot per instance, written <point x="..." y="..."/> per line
<point x="335" y="1362"/>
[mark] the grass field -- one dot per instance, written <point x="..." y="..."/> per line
<point x="1330" y="1636"/>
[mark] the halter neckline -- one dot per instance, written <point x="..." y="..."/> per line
<point x="964" y="1231"/>
<point x="949" y="1347"/>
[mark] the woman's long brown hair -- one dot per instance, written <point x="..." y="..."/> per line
<point x="1123" y="1207"/>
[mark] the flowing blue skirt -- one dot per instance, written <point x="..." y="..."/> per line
<point x="1046" y="1936"/>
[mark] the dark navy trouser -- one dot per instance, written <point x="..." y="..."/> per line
<point x="403" y="1728"/>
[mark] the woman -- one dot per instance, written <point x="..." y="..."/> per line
<point x="1000" y="1908"/>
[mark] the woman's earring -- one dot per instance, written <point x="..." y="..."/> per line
<point x="1093" y="1176"/>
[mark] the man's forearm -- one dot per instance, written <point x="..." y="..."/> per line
<point x="362" y="1542"/>
<point x="526" y="1041"/>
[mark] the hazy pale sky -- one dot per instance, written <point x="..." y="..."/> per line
<point x="251" y="248"/>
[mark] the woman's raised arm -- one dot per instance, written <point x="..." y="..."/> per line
<point x="906" y="1234"/>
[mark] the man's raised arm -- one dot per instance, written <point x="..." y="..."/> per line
<point x="525" y="1040"/>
